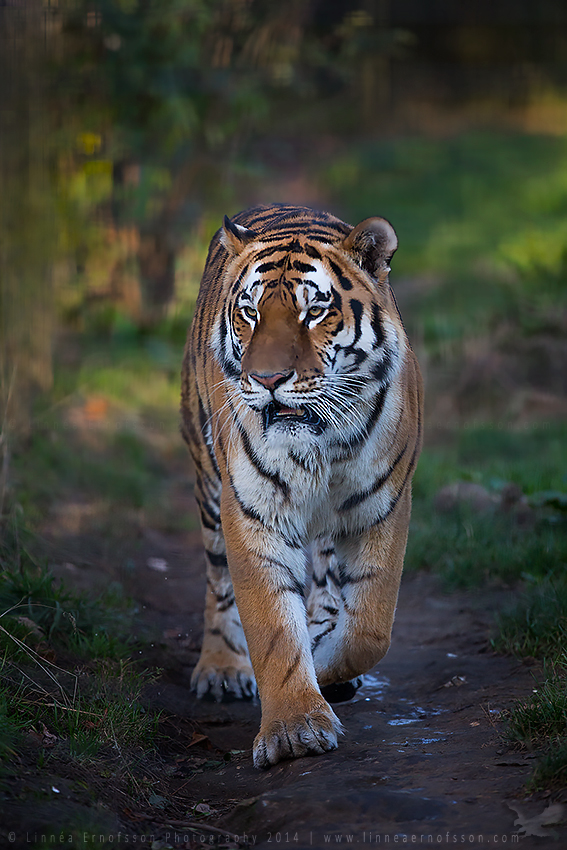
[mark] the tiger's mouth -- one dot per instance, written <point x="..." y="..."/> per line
<point x="275" y="413"/>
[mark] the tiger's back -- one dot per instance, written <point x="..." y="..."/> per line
<point x="302" y="409"/>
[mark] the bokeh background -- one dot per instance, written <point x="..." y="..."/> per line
<point x="128" y="128"/>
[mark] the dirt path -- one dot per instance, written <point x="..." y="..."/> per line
<point x="422" y="761"/>
<point x="422" y="757"/>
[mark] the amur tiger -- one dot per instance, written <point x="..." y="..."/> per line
<point x="302" y="408"/>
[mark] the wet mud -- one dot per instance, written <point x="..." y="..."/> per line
<point x="422" y="762"/>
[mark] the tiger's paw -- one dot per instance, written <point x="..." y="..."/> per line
<point x="221" y="683"/>
<point x="301" y="735"/>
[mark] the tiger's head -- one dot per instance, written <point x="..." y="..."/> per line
<point x="310" y="333"/>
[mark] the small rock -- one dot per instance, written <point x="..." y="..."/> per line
<point x="475" y="496"/>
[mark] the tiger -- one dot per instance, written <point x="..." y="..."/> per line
<point x="302" y="409"/>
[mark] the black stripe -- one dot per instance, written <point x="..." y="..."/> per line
<point x="357" y="441"/>
<point x="377" y="327"/>
<point x="237" y="650"/>
<point x="295" y="585"/>
<point x="358" y="498"/>
<point x="342" y="279"/>
<point x="239" y="280"/>
<point x="273" y="477"/>
<point x="409" y="472"/>
<point x="290" y="671"/>
<point x="227" y="597"/>
<point x="318" y="638"/>
<point x="356" y="307"/>
<point x="207" y="523"/>
<point x="247" y="511"/>
<point x="216" y="560"/>
<point x="321" y="581"/>
<point x="273" y="642"/>
<point x="312" y="232"/>
<point x="265" y="252"/>
<point x="303" y="267"/>
<point x="212" y="511"/>
<point x="268" y="267"/>
<point x="253" y="514"/>
<point x="338" y="305"/>
<point x="312" y="252"/>
<point x="380" y="370"/>
<point x="346" y="579"/>
<point x="227" y="365"/>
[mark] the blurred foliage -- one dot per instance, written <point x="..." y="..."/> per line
<point x="481" y="219"/>
<point x="124" y="125"/>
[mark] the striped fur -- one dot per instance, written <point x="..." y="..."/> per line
<point x="301" y="406"/>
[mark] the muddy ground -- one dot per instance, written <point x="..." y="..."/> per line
<point x="422" y="761"/>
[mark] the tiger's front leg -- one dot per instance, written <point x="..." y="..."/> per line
<point x="268" y="574"/>
<point x="367" y="573"/>
<point x="224" y="667"/>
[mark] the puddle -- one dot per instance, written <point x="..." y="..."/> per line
<point x="373" y="687"/>
<point x="403" y="721"/>
<point x="415" y="715"/>
<point x="418" y="741"/>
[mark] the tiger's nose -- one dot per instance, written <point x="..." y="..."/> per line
<point x="271" y="380"/>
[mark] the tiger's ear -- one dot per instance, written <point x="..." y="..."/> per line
<point x="234" y="237"/>
<point x="372" y="243"/>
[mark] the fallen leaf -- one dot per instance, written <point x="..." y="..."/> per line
<point x="534" y="825"/>
<point x="198" y="738"/>
<point x="95" y="408"/>
<point x="204" y="809"/>
<point x="29" y="624"/>
<point x="48" y="739"/>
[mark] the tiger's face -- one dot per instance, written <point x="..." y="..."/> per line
<point x="310" y="334"/>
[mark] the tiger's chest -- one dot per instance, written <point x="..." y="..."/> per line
<point x="317" y="492"/>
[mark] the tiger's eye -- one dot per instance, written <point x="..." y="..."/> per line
<point x="251" y="312"/>
<point x="315" y="312"/>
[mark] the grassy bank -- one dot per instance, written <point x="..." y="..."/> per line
<point x="490" y="510"/>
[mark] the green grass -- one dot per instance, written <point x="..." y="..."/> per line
<point x="536" y="625"/>
<point x="539" y="724"/>
<point x="481" y="220"/>
<point x="34" y="608"/>
<point x="53" y="463"/>
<point x="106" y="436"/>
<point x="467" y="549"/>
<point x="63" y="664"/>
